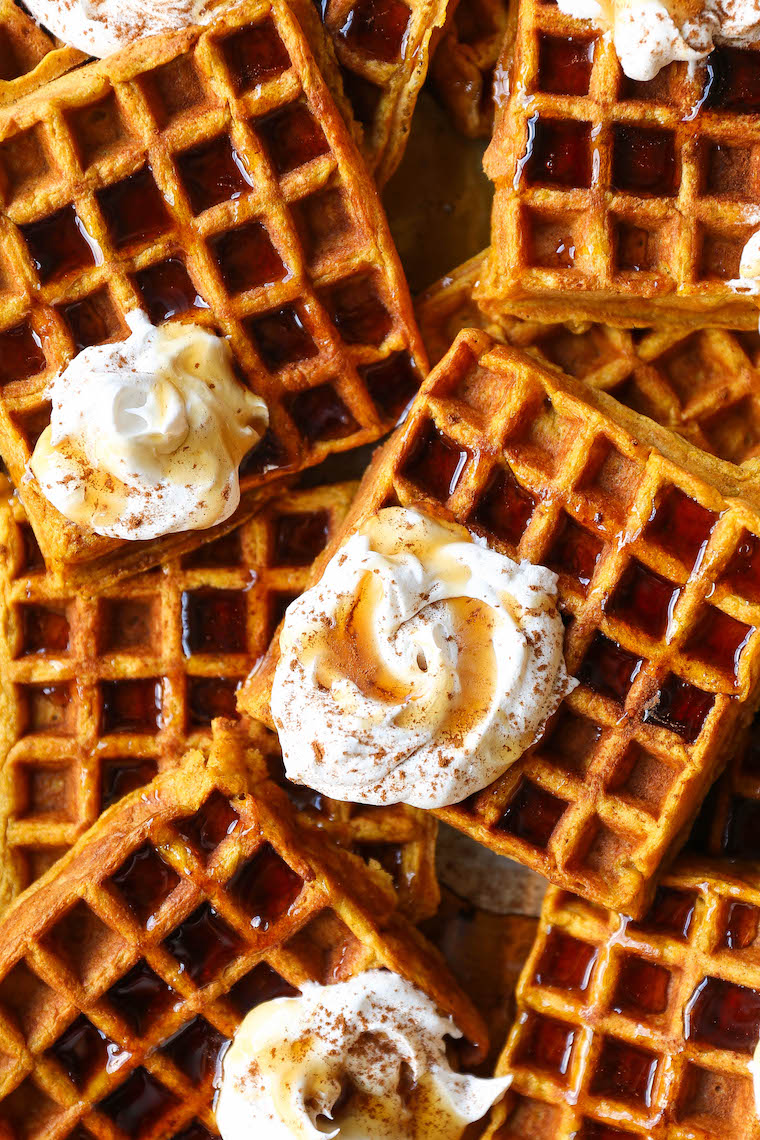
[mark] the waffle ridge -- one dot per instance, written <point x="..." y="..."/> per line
<point x="642" y="529"/>
<point x="462" y="69"/>
<point x="619" y="201"/>
<point x="202" y="175"/>
<point x="29" y="56"/>
<point x="125" y="972"/>
<point x="660" y="1000"/>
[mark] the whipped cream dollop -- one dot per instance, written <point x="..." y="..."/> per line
<point x="146" y="435"/>
<point x="649" y="34"/>
<point x="359" y="1060"/>
<point x="100" y="27"/>
<point x="419" y="667"/>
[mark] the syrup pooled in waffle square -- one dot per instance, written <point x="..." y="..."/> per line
<point x="704" y="384"/>
<point x="29" y="57"/>
<point x="620" y="201"/>
<point x="463" y="65"/>
<point x="126" y="972"/>
<point x="639" y="1029"/>
<point x="647" y="536"/>
<point x="102" y="691"/>
<point x="207" y="176"/>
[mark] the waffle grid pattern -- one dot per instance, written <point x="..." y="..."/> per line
<point x="204" y="175"/>
<point x="704" y="384"/>
<point x="463" y="66"/>
<point x="102" y="691"/>
<point x="660" y="612"/>
<point x="620" y="201"/>
<point x="124" y="976"/>
<point x="643" y="1029"/>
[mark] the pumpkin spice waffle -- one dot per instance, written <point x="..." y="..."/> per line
<point x="703" y="384"/>
<point x="620" y="201"/>
<point x="202" y="175"/>
<point x="462" y="69"/>
<point x="124" y="973"/>
<point x="639" y="1029"/>
<point x="29" y="57"/>
<point x="649" y="536"/>
<point x="100" y="692"/>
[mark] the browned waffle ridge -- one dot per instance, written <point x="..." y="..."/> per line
<point x="639" y="1029"/>
<point x="102" y="691"/>
<point x="704" y="384"/>
<point x="297" y="268"/>
<point x="29" y="57"/>
<point x="618" y="201"/>
<point x="185" y="906"/>
<point x="462" y="69"/>
<point x="646" y="534"/>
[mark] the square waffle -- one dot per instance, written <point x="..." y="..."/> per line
<point x="127" y="970"/>
<point x="462" y="69"/>
<point x="616" y="200"/>
<point x="203" y="175"/>
<point x="29" y="57"/>
<point x="704" y="384"/>
<point x="102" y="691"/>
<point x="646" y="534"/>
<point x="639" y="1029"/>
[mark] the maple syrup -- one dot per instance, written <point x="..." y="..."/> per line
<point x="644" y="161"/>
<point x="225" y="551"/>
<point x="134" y="209"/>
<point x="93" y="320"/>
<point x="357" y="311"/>
<point x="680" y="707"/>
<point x="123" y="775"/>
<point x="204" y="944"/>
<point x="574" y="552"/>
<point x="571" y="741"/>
<point x="292" y="137"/>
<point x="723" y="1015"/>
<point x="281" y="338"/>
<point x="506" y="508"/>
<point x="213" y="621"/>
<point x="211" y="697"/>
<point x="265" y="887"/>
<point x="741" y="831"/>
<point x="532" y="814"/>
<point x="732" y="82"/>
<point x="642" y="987"/>
<point x="320" y="414"/>
<point x="391" y="383"/>
<point x="363" y="95"/>
<point x="298" y="538"/>
<point x="195" y="1050"/>
<point x="268" y="455"/>
<point x="643" y="599"/>
<point x="558" y="154"/>
<point x="206" y="829"/>
<point x="377" y="30"/>
<point x="59" y="244"/>
<point x="566" y="963"/>
<point x="546" y="1044"/>
<point x="323" y="223"/>
<point x="195" y="1130"/>
<point x="671" y="913"/>
<point x="718" y="640"/>
<point x="21" y="354"/>
<point x="131" y="706"/>
<point x="743" y="571"/>
<point x="741" y="925"/>
<point x="390" y="856"/>
<point x="278" y="604"/>
<point x="680" y="525"/>
<point x="145" y="881"/>
<point x="435" y="463"/>
<point x="213" y="172"/>
<point x="260" y="985"/>
<point x="82" y="1051"/>
<point x="167" y="291"/>
<point x="246" y="257"/>
<point x="137" y="1105"/>
<point x="43" y="630"/>
<point x="140" y="997"/>
<point x="255" y="54"/>
<point x="564" y="64"/>
<point x="609" y="669"/>
<point x="624" y="1072"/>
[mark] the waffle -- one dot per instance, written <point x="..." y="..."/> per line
<point x="618" y="201"/>
<point x="100" y="692"/>
<point x="29" y="57"/>
<point x="704" y="384"/>
<point x="546" y="468"/>
<point x="462" y="69"/>
<point x="627" y="1030"/>
<point x="126" y="971"/>
<point x="296" y="268"/>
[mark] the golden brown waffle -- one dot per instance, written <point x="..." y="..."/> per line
<point x="462" y="69"/>
<point x="125" y="972"/>
<point x="100" y="692"/>
<point x="29" y="57"/>
<point x="383" y="49"/>
<point x="142" y="157"/>
<point x="618" y="201"/>
<point x="649" y="537"/>
<point x="704" y="384"/>
<point x="639" y="1029"/>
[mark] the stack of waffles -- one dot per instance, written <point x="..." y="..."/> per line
<point x="589" y="917"/>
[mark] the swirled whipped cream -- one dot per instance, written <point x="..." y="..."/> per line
<point x="419" y="667"/>
<point x="649" y="34"/>
<point x="360" y="1060"/>
<point x="146" y="435"/>
<point x="100" y="27"/>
